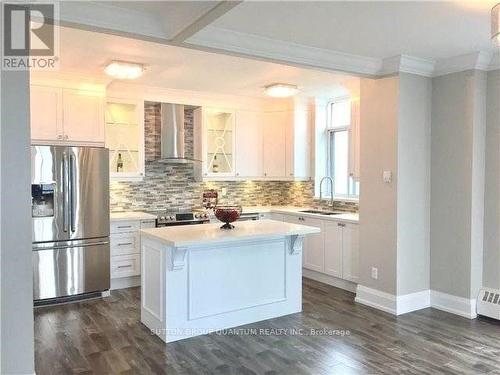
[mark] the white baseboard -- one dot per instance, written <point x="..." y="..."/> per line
<point x="376" y="299"/>
<point x="413" y="302"/>
<point x="125" y="282"/>
<point x="456" y="305"/>
<point x="416" y="301"/>
<point x="330" y="280"/>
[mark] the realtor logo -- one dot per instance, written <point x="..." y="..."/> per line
<point x="30" y="36"/>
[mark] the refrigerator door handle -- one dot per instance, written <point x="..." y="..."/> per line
<point x="65" y="188"/>
<point x="72" y="184"/>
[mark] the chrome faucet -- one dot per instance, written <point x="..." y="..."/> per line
<point x="331" y="189"/>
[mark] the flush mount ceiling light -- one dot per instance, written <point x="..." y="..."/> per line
<point x="281" y="90"/>
<point x="124" y="70"/>
<point x="495" y="24"/>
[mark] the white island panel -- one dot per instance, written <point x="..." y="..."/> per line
<point x="228" y="278"/>
<point x="198" y="286"/>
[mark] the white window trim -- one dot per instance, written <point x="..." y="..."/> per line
<point x="329" y="129"/>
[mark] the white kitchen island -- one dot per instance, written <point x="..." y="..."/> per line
<point x="198" y="279"/>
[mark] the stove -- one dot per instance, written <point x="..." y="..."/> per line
<point x="167" y="219"/>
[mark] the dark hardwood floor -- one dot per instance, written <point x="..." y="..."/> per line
<point x="106" y="337"/>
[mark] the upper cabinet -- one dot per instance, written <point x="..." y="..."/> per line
<point x="263" y="145"/>
<point x="299" y="145"/>
<point x="46" y="113"/>
<point x="125" y="138"/>
<point x="218" y="142"/>
<point x="66" y="116"/>
<point x="274" y="153"/>
<point x="248" y="142"/>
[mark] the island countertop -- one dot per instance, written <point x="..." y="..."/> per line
<point x="192" y="235"/>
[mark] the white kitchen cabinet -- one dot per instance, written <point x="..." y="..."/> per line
<point x="125" y="138"/>
<point x="350" y="252"/>
<point x="313" y="253"/>
<point x="248" y="141"/>
<point x="125" y="247"/>
<point x="298" y="145"/>
<point x="83" y="116"/>
<point x="333" y="248"/>
<point x="46" y="113"/>
<point x="274" y="150"/>
<point x="66" y="116"/>
<point x="218" y="142"/>
<point x="334" y="251"/>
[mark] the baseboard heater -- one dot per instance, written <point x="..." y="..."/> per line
<point x="488" y="303"/>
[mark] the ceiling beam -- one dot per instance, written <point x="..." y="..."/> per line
<point x="206" y="19"/>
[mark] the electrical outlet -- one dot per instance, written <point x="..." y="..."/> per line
<point x="374" y="273"/>
<point x="223" y="192"/>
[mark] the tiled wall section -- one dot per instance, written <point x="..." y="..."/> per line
<point x="172" y="187"/>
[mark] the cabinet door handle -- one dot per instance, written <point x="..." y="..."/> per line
<point x="59" y="136"/>
<point x="66" y="137"/>
<point x="125" y="244"/>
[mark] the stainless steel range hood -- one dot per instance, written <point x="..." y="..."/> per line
<point x="173" y="148"/>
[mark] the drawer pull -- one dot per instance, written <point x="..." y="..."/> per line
<point x="124" y="244"/>
<point x="301" y="219"/>
<point x="124" y="226"/>
<point x="127" y="266"/>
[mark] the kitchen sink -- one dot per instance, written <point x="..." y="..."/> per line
<point x="321" y="212"/>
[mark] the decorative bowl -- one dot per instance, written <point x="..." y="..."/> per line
<point x="227" y="214"/>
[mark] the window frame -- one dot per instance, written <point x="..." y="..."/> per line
<point x="330" y="149"/>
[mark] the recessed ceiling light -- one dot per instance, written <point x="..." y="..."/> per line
<point x="281" y="90"/>
<point x="495" y="24"/>
<point x="124" y="70"/>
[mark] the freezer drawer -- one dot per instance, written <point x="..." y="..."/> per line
<point x="66" y="271"/>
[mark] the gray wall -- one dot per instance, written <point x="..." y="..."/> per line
<point x="413" y="190"/>
<point x="457" y="186"/>
<point x="379" y="104"/>
<point x="491" y="272"/>
<point x="17" y="343"/>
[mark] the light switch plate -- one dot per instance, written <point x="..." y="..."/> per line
<point x="387" y="176"/>
<point x="223" y="192"/>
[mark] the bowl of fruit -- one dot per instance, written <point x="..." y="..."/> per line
<point x="228" y="215"/>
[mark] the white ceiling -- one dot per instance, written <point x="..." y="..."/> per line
<point x="360" y="37"/>
<point x="173" y="16"/>
<point x="86" y="53"/>
<point x="378" y="29"/>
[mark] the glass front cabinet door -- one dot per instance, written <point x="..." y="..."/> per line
<point x="125" y="138"/>
<point x="218" y="142"/>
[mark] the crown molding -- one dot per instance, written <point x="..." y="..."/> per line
<point x="480" y="60"/>
<point x="407" y="64"/>
<point x="279" y="51"/>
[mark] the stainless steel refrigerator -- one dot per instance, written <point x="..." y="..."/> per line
<point x="70" y="210"/>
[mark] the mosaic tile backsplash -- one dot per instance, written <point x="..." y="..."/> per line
<point x="172" y="187"/>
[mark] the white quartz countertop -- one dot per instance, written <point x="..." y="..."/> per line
<point x="192" y="235"/>
<point x="131" y="215"/>
<point x="348" y="217"/>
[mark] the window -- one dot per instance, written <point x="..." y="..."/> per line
<point x="339" y="120"/>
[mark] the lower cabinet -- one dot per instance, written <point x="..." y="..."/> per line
<point x="334" y="251"/>
<point x="350" y="253"/>
<point x="332" y="232"/>
<point x="125" y="247"/>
